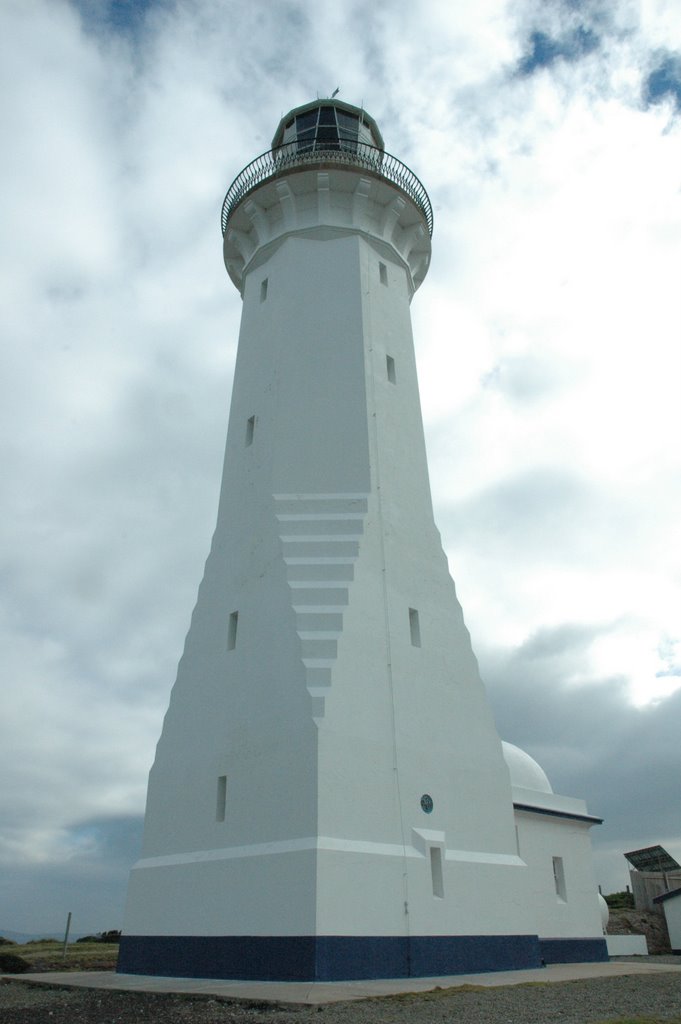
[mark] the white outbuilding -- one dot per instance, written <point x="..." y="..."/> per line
<point x="330" y="798"/>
<point x="671" y="905"/>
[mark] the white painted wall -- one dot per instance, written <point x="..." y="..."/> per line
<point x="672" y="913"/>
<point x="626" y="945"/>
<point x="540" y="839"/>
<point x="326" y="719"/>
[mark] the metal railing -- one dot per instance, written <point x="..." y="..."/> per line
<point x="349" y="152"/>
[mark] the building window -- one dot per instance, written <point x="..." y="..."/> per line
<point x="559" y="878"/>
<point x="414" y="627"/>
<point x="250" y="430"/>
<point x="263" y="290"/>
<point x="221" y="804"/>
<point x="390" y="369"/>
<point x="436" y="876"/>
<point x="231" y="630"/>
<point x="383" y="273"/>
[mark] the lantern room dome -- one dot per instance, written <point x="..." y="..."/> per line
<point x="327" y="124"/>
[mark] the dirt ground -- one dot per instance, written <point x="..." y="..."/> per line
<point x="652" y="997"/>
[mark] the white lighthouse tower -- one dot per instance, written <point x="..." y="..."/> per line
<point x="330" y="798"/>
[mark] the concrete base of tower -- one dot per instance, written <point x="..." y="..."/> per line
<point x="346" y="958"/>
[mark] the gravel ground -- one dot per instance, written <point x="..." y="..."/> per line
<point x="653" y="996"/>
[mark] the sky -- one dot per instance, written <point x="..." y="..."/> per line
<point x="548" y="330"/>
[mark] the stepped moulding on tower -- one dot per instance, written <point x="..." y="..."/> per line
<point x="330" y="798"/>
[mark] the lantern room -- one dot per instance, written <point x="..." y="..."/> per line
<point x="327" y="124"/>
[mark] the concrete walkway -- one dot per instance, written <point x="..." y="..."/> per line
<point x="315" y="993"/>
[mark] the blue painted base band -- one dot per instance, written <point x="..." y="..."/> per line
<point x="573" y="951"/>
<point x="345" y="958"/>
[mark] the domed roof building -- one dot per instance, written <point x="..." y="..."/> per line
<point x="552" y="834"/>
<point x="525" y="772"/>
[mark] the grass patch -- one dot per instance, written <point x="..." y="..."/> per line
<point x="440" y="992"/>
<point x="48" y="955"/>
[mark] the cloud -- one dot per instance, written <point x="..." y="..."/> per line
<point x="86" y="877"/>
<point x="591" y="741"/>
<point x="123" y="16"/>
<point x="547" y="344"/>
<point x="663" y="81"/>
<point x="543" y="50"/>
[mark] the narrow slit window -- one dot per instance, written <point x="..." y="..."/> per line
<point x="559" y="878"/>
<point x="436" y="876"/>
<point x="414" y="627"/>
<point x="263" y="289"/>
<point x="221" y="805"/>
<point x="383" y="273"/>
<point x="231" y="631"/>
<point x="250" y="430"/>
<point x="390" y="369"/>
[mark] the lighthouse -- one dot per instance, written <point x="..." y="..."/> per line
<point x="330" y="798"/>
